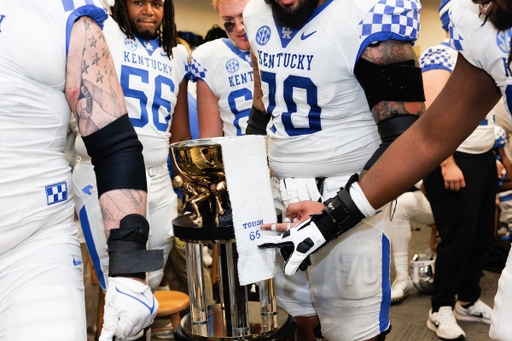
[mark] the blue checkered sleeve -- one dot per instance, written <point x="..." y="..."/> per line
<point x="197" y="71"/>
<point x="500" y="137"/>
<point x="455" y="38"/>
<point x="436" y="58"/>
<point x="391" y="19"/>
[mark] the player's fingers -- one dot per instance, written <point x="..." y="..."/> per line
<point x="109" y="324"/>
<point x="106" y="334"/>
<point x="292" y="264"/>
<point x="294" y="209"/>
<point x="273" y="242"/>
<point x="281" y="227"/>
<point x="126" y="328"/>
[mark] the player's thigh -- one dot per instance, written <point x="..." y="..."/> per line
<point x="42" y="294"/>
<point x="350" y="284"/>
<point x="163" y="208"/>
<point x="293" y="293"/>
<point x="88" y="209"/>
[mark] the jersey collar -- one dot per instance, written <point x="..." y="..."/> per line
<point x="150" y="45"/>
<point x="244" y="55"/>
<point x="287" y="34"/>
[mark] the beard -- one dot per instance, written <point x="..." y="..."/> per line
<point x="293" y="18"/>
<point x="147" y="34"/>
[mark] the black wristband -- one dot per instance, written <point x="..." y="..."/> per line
<point x="342" y="211"/>
<point x="127" y="252"/>
<point x="257" y="123"/>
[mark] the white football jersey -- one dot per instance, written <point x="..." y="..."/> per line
<point x="150" y="84"/>
<point x="444" y="57"/>
<point x="319" y="111"/>
<point x="482" y="46"/>
<point x="35" y="181"/>
<point x="227" y="71"/>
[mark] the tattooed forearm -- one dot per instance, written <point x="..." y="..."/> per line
<point x="135" y="198"/>
<point x="258" y="93"/>
<point x="116" y="204"/>
<point x="389" y="52"/>
<point x="387" y="109"/>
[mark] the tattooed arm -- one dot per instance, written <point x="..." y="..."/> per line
<point x="96" y="99"/>
<point x="385" y="53"/>
<point x="258" y="93"/>
<point x="258" y="118"/>
<point x="390" y="52"/>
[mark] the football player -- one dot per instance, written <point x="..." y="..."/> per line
<point x="329" y="88"/>
<point x="480" y="31"/>
<point x="40" y="257"/>
<point x="151" y="67"/>
<point x="224" y="75"/>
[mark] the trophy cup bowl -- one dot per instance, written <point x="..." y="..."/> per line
<point x="200" y="160"/>
<point x="206" y="193"/>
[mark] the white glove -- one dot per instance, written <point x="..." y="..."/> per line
<point x="296" y="245"/>
<point x="129" y="307"/>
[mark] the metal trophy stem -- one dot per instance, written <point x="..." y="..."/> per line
<point x="205" y="194"/>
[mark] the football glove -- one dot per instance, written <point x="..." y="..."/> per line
<point x="339" y="215"/>
<point x="129" y="307"/>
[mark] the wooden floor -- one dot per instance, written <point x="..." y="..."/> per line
<point x="408" y="318"/>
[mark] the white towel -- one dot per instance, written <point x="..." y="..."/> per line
<point x="250" y="193"/>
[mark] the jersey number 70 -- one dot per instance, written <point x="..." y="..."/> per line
<point x="289" y="84"/>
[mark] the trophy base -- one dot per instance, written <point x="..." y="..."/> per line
<point x="279" y="327"/>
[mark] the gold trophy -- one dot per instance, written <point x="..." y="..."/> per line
<point x="203" y="184"/>
<point x="201" y="162"/>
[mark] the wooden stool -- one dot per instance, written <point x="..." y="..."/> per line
<point x="171" y="303"/>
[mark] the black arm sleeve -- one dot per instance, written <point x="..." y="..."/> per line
<point x="390" y="129"/>
<point x="401" y="82"/>
<point x="116" y="154"/>
<point x="258" y="121"/>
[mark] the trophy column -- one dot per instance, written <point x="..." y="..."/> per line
<point x="234" y="317"/>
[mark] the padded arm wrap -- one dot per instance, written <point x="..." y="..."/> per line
<point x="340" y="213"/>
<point x="127" y="252"/>
<point x="116" y="154"/>
<point x="400" y="82"/>
<point x="390" y="129"/>
<point x="257" y="123"/>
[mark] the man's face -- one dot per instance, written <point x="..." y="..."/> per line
<point x="145" y="17"/>
<point x="230" y="12"/>
<point x="497" y="11"/>
<point x="292" y="13"/>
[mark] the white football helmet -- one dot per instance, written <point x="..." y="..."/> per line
<point x="422" y="270"/>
